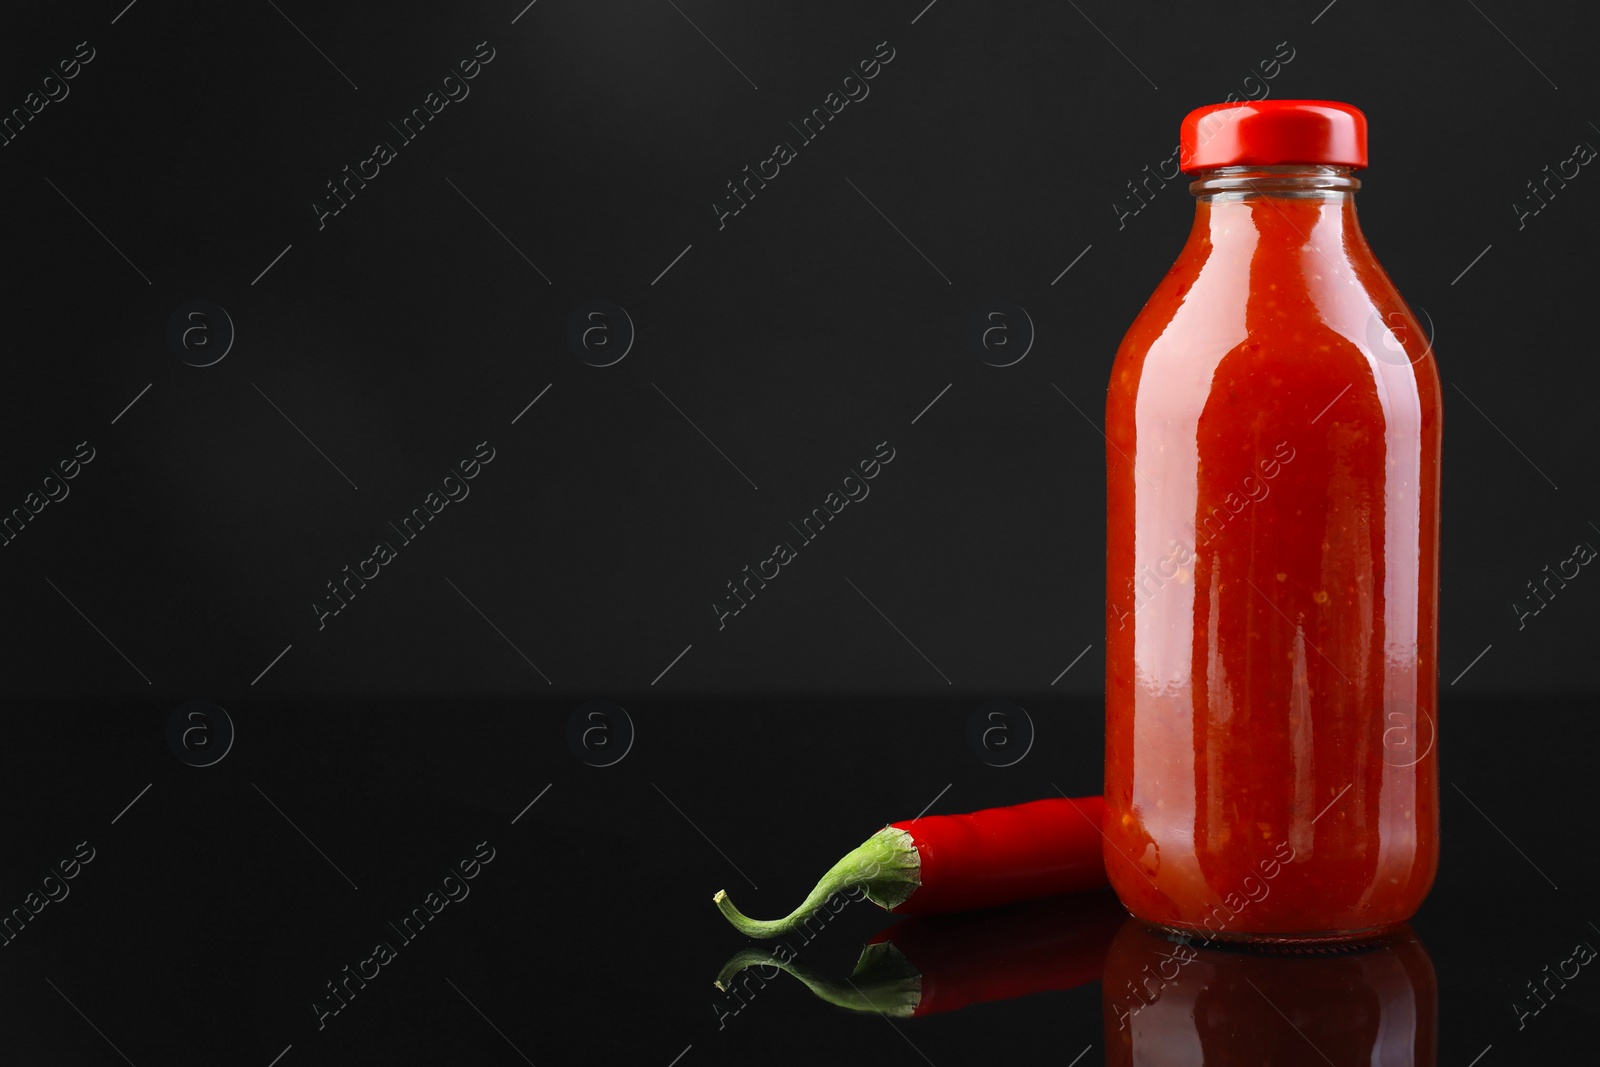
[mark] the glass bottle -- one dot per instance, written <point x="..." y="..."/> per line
<point x="1273" y="430"/>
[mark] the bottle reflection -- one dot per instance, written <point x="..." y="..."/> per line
<point x="939" y="963"/>
<point x="1172" y="1002"/>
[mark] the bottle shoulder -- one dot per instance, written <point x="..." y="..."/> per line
<point x="1291" y="318"/>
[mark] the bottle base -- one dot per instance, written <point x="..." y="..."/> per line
<point x="1298" y="942"/>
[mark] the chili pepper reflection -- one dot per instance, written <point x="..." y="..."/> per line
<point x="1170" y="1001"/>
<point x="940" y="963"/>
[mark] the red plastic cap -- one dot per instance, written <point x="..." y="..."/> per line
<point x="1268" y="132"/>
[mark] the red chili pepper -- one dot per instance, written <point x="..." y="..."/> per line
<point x="939" y="963"/>
<point x="941" y="863"/>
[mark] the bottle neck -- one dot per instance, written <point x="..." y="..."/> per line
<point x="1291" y="231"/>
<point x="1240" y="211"/>
<point x="1282" y="182"/>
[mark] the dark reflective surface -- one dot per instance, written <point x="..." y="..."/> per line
<point x="1172" y="1001"/>
<point x="206" y="926"/>
<point x="940" y="963"/>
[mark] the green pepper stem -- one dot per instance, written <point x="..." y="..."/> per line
<point x="886" y="867"/>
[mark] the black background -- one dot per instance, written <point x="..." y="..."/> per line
<point x="373" y="354"/>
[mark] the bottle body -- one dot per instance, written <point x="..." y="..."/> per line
<point x="1273" y="423"/>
